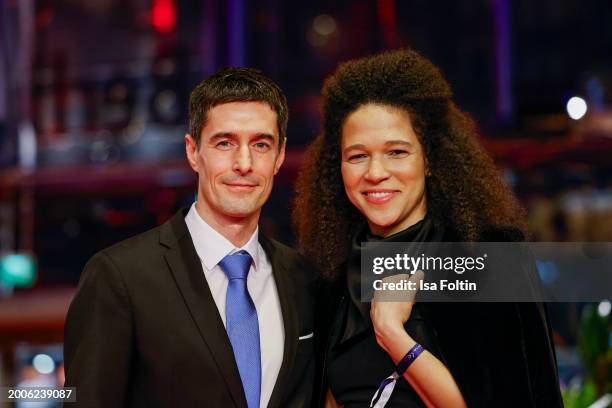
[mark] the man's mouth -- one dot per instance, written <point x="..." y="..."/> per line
<point x="241" y="186"/>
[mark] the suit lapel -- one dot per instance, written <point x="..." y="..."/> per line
<point x="285" y="290"/>
<point x="187" y="270"/>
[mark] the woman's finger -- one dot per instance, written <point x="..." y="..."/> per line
<point x="402" y="287"/>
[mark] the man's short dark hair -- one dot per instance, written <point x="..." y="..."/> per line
<point x="236" y="85"/>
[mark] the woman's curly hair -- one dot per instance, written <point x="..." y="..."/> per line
<point x="464" y="190"/>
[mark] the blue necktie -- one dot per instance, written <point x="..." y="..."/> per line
<point x="242" y="325"/>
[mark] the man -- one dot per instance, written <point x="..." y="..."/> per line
<point x="203" y="311"/>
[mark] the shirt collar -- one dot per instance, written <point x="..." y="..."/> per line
<point x="211" y="246"/>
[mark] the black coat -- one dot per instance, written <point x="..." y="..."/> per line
<point x="143" y="329"/>
<point x="500" y="354"/>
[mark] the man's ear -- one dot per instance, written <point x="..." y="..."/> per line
<point x="191" y="150"/>
<point x="280" y="158"/>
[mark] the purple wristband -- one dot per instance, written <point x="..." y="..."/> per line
<point x="408" y="359"/>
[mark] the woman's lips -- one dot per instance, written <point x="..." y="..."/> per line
<point x="379" y="196"/>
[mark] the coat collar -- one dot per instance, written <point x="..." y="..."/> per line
<point x="186" y="268"/>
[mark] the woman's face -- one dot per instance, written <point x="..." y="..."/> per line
<point x="383" y="168"/>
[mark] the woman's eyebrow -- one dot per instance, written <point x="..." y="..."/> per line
<point x="352" y="147"/>
<point x="396" y="142"/>
<point x="387" y="143"/>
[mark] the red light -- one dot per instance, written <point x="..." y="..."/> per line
<point x="163" y="16"/>
<point x="388" y="22"/>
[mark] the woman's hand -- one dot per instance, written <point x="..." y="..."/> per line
<point x="427" y="375"/>
<point x="391" y="309"/>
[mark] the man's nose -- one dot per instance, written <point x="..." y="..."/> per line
<point x="243" y="161"/>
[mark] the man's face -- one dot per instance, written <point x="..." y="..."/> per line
<point x="236" y="160"/>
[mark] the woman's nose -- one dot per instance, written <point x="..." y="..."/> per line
<point x="376" y="171"/>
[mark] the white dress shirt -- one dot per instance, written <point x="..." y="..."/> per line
<point x="212" y="247"/>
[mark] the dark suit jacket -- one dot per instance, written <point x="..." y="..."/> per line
<point x="143" y="329"/>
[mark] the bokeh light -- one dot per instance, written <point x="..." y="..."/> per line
<point x="576" y="107"/>
<point x="43" y="363"/>
<point x="604" y="308"/>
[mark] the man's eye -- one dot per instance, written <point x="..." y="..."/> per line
<point x="224" y="144"/>
<point x="262" y="146"/>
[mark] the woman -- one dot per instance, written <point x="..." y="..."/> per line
<point x="398" y="162"/>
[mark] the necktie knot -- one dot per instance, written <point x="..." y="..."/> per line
<point x="237" y="265"/>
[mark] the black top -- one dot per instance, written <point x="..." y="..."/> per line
<point x="356" y="368"/>
<point x="500" y="354"/>
<point x="356" y="363"/>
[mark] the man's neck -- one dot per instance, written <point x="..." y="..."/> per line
<point x="237" y="230"/>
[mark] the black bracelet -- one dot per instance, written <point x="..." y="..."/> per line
<point x="408" y="359"/>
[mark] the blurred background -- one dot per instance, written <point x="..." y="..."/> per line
<point x="93" y="111"/>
